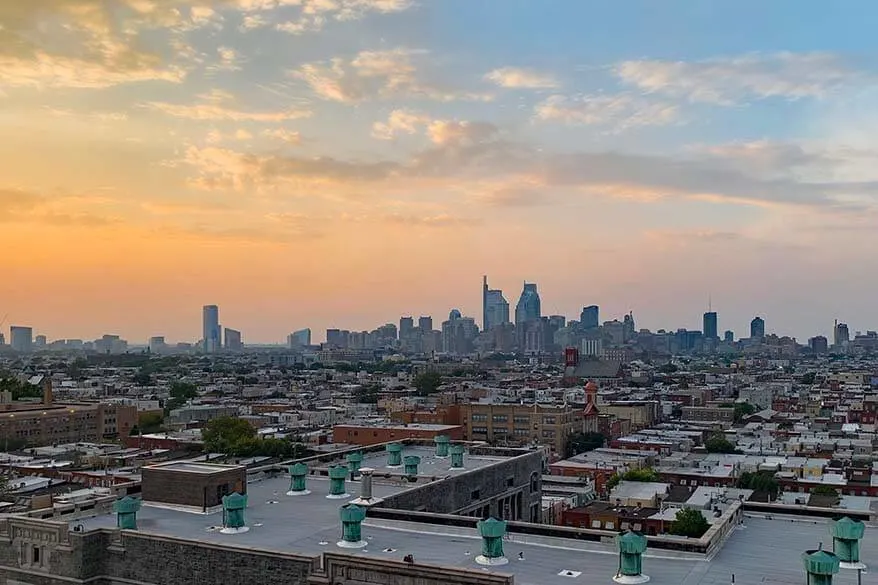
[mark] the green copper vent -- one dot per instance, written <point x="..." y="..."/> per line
<point x="846" y="536"/>
<point x="355" y="460"/>
<point x="411" y="465"/>
<point x="441" y="445"/>
<point x="298" y="477"/>
<point x="631" y="547"/>
<point x="394" y="455"/>
<point x="820" y="566"/>
<point x="233" y="513"/>
<point x="456" y="456"/>
<point x="126" y="512"/>
<point x="492" y="532"/>
<point x="352" y="517"/>
<point x="337" y="476"/>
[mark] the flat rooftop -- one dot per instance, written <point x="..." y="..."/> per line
<point x="430" y="464"/>
<point x="764" y="551"/>
<point x="193" y="467"/>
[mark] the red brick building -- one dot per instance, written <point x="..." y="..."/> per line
<point x="373" y="434"/>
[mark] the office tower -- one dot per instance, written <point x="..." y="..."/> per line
<point x="818" y="344"/>
<point x="299" y="339"/>
<point x="459" y="334"/>
<point x="628" y="327"/>
<point x="425" y="324"/>
<point x="2" y="339"/>
<point x="157" y="344"/>
<point x="233" y="340"/>
<point x="528" y="307"/>
<point x="495" y="308"/>
<point x="40" y="341"/>
<point x="339" y="338"/>
<point x="729" y="336"/>
<point x="211" y="334"/>
<point x="710" y="325"/>
<point x="589" y="318"/>
<point x="757" y="328"/>
<point x="21" y="338"/>
<point x="406" y="327"/>
<point x="841" y="335"/>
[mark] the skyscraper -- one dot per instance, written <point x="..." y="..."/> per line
<point x="757" y="328"/>
<point x="710" y="325"/>
<point x="841" y="335"/>
<point x="528" y="307"/>
<point x="495" y="308"/>
<point x="21" y="338"/>
<point x="425" y="324"/>
<point x="233" y="340"/>
<point x="211" y="334"/>
<point x="589" y="318"/>
<point x="406" y="327"/>
<point x="300" y="338"/>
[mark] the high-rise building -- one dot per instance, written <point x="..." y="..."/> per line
<point x="528" y="307"/>
<point x="589" y="318"/>
<point x="157" y="344"/>
<point x="406" y="327"/>
<point x="818" y="344"/>
<point x="211" y="332"/>
<point x="21" y="338"/>
<point x="299" y="339"/>
<point x="425" y="324"/>
<point x="459" y="334"/>
<point x="233" y="340"/>
<point x="710" y="325"/>
<point x="757" y="328"/>
<point x="729" y="336"/>
<point x="40" y="341"/>
<point x="338" y="338"/>
<point x="2" y="339"/>
<point x="841" y="334"/>
<point x="495" y="308"/>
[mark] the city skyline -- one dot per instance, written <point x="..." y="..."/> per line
<point x="320" y="164"/>
<point x="708" y="321"/>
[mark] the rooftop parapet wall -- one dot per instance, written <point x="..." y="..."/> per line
<point x="108" y="557"/>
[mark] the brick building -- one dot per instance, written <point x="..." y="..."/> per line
<point x="374" y="434"/>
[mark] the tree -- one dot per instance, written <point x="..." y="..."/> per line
<point x="719" y="444"/>
<point x="743" y="409"/>
<point x="142" y="378"/>
<point x="809" y="378"/>
<point x="427" y="383"/>
<point x="150" y="422"/>
<point x="759" y="482"/>
<point x="19" y="389"/>
<point x="367" y="394"/>
<point x="224" y="434"/>
<point x="180" y="393"/>
<point x="582" y="442"/>
<point x="645" y="474"/>
<point x="824" y="490"/>
<point x="689" y="522"/>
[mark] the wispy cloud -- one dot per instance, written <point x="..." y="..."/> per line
<point x="521" y="78"/>
<point x="621" y="111"/>
<point x="219" y="105"/>
<point x="381" y="74"/>
<point x="754" y="76"/>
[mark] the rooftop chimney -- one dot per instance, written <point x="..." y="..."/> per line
<point x="47" y="391"/>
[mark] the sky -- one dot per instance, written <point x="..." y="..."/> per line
<point x="340" y="163"/>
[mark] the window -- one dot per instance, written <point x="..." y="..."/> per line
<point x="480" y="430"/>
<point x="501" y="430"/>
<point x="534" y="482"/>
<point x="480" y="418"/>
<point x="35" y="555"/>
<point x="548" y="420"/>
<point x="521" y="419"/>
<point x="500" y="418"/>
<point x="476" y="495"/>
<point x="548" y="434"/>
<point x="510" y="481"/>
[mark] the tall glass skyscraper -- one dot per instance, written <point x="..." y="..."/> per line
<point x="757" y="328"/>
<point x="528" y="307"/>
<point x="710" y="325"/>
<point x="495" y="308"/>
<point x="589" y="318"/>
<point x="211" y="332"/>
